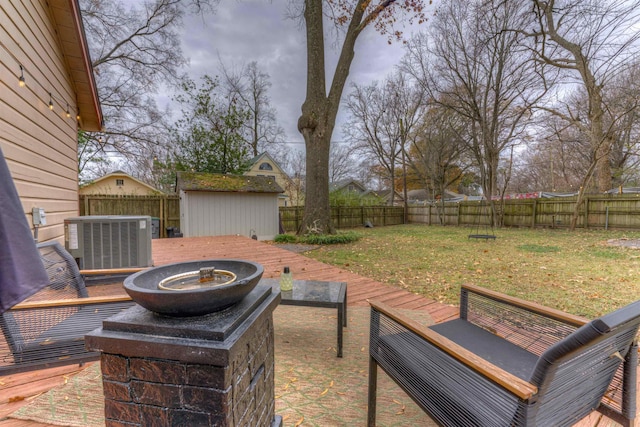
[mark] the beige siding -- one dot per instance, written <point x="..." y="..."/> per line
<point x="280" y="176"/>
<point x="39" y="145"/>
<point x="109" y="186"/>
<point x="219" y="214"/>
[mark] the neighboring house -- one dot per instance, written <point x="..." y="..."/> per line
<point x="218" y="205"/>
<point x="265" y="165"/>
<point x="350" y="185"/>
<point x="385" y="195"/>
<point x="424" y="197"/>
<point x="118" y="183"/>
<point x="47" y="93"/>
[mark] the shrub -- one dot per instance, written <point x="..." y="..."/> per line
<point x="285" y="238"/>
<point x="330" y="239"/>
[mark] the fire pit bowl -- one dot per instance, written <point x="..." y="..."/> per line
<point x="192" y="301"/>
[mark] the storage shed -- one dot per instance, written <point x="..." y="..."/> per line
<point x="217" y="204"/>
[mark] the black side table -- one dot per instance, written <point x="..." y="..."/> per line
<point x="315" y="293"/>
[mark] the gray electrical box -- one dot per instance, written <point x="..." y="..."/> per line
<point x="39" y="217"/>
<point x="99" y="242"/>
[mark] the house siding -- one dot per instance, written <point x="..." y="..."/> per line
<point x="204" y="213"/>
<point x="283" y="180"/>
<point x="109" y="186"/>
<point x="40" y="145"/>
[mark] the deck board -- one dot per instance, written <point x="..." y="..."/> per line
<point x="273" y="259"/>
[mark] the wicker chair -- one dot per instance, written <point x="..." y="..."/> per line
<point x="48" y="328"/>
<point x="507" y="362"/>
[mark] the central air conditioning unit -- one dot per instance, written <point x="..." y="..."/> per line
<point x="99" y="242"/>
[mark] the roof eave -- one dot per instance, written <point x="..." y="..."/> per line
<point x="68" y="21"/>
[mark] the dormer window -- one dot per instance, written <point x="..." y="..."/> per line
<point x="265" y="167"/>
<point x="119" y="182"/>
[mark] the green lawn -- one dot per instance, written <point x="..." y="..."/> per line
<point x="572" y="271"/>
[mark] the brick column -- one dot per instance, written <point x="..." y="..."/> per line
<point x="214" y="370"/>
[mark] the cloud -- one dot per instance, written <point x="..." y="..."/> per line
<point x="256" y="30"/>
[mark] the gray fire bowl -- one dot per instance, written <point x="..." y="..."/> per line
<point x="143" y="288"/>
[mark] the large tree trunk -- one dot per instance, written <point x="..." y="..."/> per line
<point x="317" y="212"/>
<point x="319" y="113"/>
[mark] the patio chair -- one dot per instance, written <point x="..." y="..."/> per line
<point x="508" y="362"/>
<point x="48" y="328"/>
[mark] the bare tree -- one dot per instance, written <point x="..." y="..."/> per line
<point x="622" y="99"/>
<point x="136" y="52"/>
<point x="320" y="107"/>
<point x="250" y="88"/>
<point x="340" y="162"/>
<point x="436" y="154"/>
<point x="555" y="161"/>
<point x="381" y="120"/>
<point x="375" y="133"/>
<point x="473" y="66"/>
<point x="591" y="41"/>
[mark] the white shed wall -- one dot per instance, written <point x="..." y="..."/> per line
<point x="204" y="213"/>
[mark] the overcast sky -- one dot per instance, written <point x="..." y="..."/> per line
<point x="257" y="30"/>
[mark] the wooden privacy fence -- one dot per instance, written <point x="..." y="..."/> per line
<point x="621" y="212"/>
<point x="346" y="216"/>
<point x="618" y="211"/>
<point x="165" y="208"/>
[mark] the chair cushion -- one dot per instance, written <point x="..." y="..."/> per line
<point x="490" y="347"/>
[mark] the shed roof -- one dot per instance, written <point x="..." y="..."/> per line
<point x="214" y="182"/>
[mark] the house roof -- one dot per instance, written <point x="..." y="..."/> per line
<point x="120" y="173"/>
<point x="68" y="21"/>
<point x="344" y="183"/>
<point x="200" y="181"/>
<point x="260" y="158"/>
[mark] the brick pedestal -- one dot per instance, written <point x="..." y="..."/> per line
<point x="213" y="370"/>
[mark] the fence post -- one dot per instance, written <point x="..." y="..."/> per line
<point x="586" y="212"/>
<point x="533" y="213"/>
<point x="161" y="217"/>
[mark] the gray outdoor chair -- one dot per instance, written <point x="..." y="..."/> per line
<point x="508" y="362"/>
<point x="48" y="328"/>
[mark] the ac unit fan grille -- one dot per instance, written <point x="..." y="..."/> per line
<point x="110" y="244"/>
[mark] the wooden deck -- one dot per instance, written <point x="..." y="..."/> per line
<point x="17" y="390"/>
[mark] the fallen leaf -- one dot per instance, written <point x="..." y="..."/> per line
<point x="16" y="399"/>
<point x="324" y="392"/>
<point x="299" y="422"/>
